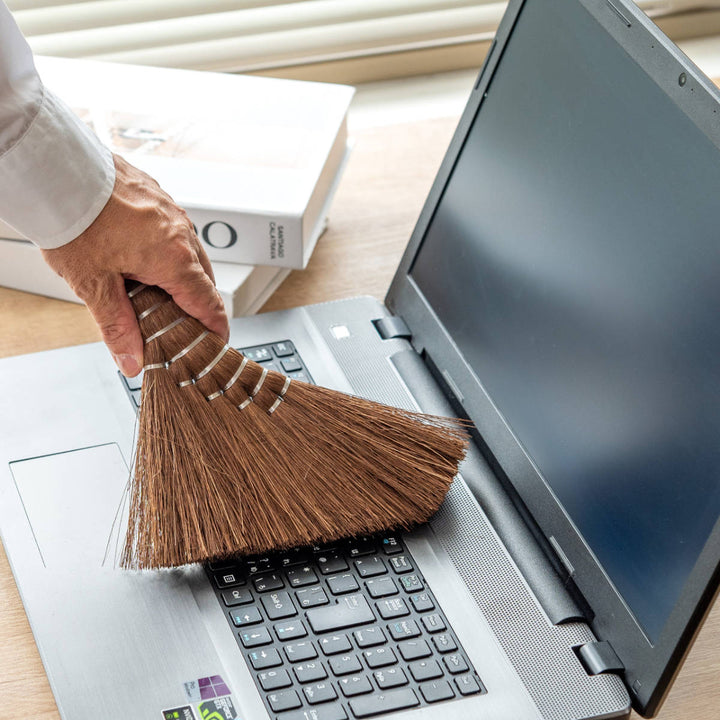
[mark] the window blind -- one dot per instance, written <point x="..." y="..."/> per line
<point x="275" y="36"/>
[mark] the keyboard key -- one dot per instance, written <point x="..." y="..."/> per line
<point x="278" y="605"/>
<point x="411" y="583"/>
<point x="381" y="587"/>
<point x="282" y="349"/>
<point x="238" y="596"/>
<point x="335" y="644"/>
<point x="370" y="567"/>
<point x="310" y="672"/>
<point x="258" y="354"/>
<point x="355" y="685"/>
<point x="392" y="608"/>
<point x="324" y="712"/>
<point x="414" y="650"/>
<point x="345" y="665"/>
<point x="425" y="670"/>
<point x="422" y="602"/>
<point x="340" y="584"/>
<point x="380" y="657"/>
<point x="311" y="597"/>
<point x="330" y="563"/>
<point x="391" y="545"/>
<point x="385" y="702"/>
<point x="290" y="630"/>
<point x="467" y="685"/>
<point x="444" y="643"/>
<point x="455" y="663"/>
<point x="291" y="364"/>
<point x="437" y="691"/>
<point x="351" y="610"/>
<point x="285" y="700"/>
<point x="229" y="578"/>
<point x="361" y="546"/>
<point x="222" y="563"/>
<point x="296" y="556"/>
<point x="255" y="566"/>
<point x="401" y="564"/>
<point x="298" y="577"/>
<point x="274" y="679"/>
<point x="297" y="652"/>
<point x="267" y="583"/>
<point x="325" y="548"/>
<point x="319" y="693"/>
<point x="261" y="659"/>
<point x="255" y="638"/>
<point x="248" y="616"/>
<point x="301" y="376"/>
<point x="370" y="637"/>
<point x="390" y="678"/>
<point x="433" y="623"/>
<point x="404" y="629"/>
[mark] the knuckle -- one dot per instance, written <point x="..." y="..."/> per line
<point x="113" y="331"/>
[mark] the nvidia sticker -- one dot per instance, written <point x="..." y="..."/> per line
<point x="180" y="713"/>
<point x="218" y="709"/>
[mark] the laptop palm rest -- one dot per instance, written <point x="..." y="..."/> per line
<point x="140" y="631"/>
<point x="71" y="500"/>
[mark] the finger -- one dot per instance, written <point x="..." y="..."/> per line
<point x="113" y="312"/>
<point x="193" y="290"/>
<point x="205" y="261"/>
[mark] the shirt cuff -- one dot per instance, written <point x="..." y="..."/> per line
<point x="56" y="179"/>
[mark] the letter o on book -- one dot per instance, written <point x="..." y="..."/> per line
<point x="219" y="238"/>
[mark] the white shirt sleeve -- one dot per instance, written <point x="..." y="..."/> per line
<point x="55" y="175"/>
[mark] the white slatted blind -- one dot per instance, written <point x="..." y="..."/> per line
<point x="264" y="35"/>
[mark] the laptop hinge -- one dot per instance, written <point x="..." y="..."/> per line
<point x="392" y="328"/>
<point x="599" y="657"/>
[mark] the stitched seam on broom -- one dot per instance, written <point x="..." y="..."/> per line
<point x="152" y="309"/>
<point x="136" y="290"/>
<point x="280" y="397"/>
<point x="165" y="365"/>
<point x="167" y="328"/>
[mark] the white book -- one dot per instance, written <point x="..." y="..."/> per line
<point x="244" y="288"/>
<point x="254" y="161"/>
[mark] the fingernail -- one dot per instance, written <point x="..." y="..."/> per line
<point x="128" y="364"/>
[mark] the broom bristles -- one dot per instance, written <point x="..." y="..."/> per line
<point x="234" y="459"/>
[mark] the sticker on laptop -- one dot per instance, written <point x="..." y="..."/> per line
<point x="206" y="688"/>
<point x="179" y="713"/>
<point x="218" y="709"/>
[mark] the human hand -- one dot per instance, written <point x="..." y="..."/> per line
<point x="140" y="235"/>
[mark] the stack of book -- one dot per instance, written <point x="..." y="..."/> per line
<point x="254" y="161"/>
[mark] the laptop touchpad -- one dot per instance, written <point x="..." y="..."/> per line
<point x="71" y="500"/>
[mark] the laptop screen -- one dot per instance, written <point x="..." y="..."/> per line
<point x="574" y="257"/>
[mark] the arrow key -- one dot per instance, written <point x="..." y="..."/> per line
<point x="245" y="616"/>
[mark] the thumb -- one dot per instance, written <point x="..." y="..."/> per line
<point x="113" y="312"/>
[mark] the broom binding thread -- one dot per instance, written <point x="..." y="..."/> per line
<point x="167" y="328"/>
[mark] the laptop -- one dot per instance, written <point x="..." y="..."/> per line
<point x="560" y="291"/>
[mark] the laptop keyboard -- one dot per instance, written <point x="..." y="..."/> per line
<point x="341" y="631"/>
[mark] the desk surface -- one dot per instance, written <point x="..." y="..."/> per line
<point x="382" y="192"/>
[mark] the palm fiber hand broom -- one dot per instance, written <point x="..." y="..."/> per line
<point x="235" y="459"/>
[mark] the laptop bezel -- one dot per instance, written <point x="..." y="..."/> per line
<point x="649" y="668"/>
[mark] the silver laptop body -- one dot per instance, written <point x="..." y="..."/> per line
<point x="539" y="622"/>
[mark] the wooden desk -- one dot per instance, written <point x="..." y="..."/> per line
<point x="381" y="194"/>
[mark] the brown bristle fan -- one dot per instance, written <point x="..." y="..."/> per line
<point x="233" y="459"/>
